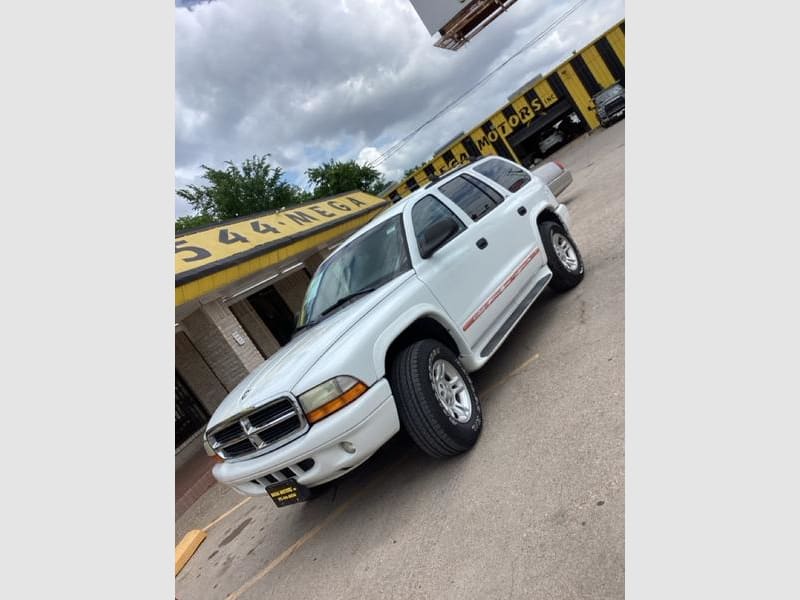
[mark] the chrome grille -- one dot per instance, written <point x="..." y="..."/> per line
<point x="228" y="434"/>
<point x="615" y="105"/>
<point x="259" y="430"/>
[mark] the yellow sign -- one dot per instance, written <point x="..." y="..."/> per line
<point x="237" y="248"/>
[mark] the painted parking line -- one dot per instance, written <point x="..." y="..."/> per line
<point x="341" y="509"/>
<point x="226" y="513"/>
<point x="485" y="392"/>
<point x="312" y="532"/>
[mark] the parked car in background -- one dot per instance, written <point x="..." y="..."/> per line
<point x="555" y="175"/>
<point x="550" y="141"/>
<point x="610" y="104"/>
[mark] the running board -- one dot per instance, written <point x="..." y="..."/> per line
<point x="515" y="316"/>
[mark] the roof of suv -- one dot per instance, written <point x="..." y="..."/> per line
<point x="449" y="175"/>
<point x="401" y="205"/>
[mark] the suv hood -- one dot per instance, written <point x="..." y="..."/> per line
<point x="278" y="375"/>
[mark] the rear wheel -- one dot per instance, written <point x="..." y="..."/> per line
<point x="436" y="400"/>
<point x="563" y="256"/>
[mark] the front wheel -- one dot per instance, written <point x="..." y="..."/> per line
<point x="563" y="257"/>
<point x="436" y="400"/>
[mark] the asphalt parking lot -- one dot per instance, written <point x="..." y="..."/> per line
<point x="535" y="510"/>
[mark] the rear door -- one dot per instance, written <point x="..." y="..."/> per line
<point x="480" y="273"/>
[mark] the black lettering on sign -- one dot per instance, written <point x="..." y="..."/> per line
<point x="300" y="217"/>
<point x="231" y="238"/>
<point x="263" y="227"/>
<point x="199" y="253"/>
<point x="356" y="201"/>
<point x="525" y="114"/>
<point x="463" y="157"/>
<point x="339" y="205"/>
<point x="470" y="146"/>
<point x="482" y="142"/>
<point x="321" y="211"/>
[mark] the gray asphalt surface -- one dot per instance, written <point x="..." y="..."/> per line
<point x="535" y="510"/>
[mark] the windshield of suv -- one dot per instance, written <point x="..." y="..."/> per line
<point x="366" y="263"/>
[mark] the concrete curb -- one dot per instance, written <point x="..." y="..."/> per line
<point x="187" y="547"/>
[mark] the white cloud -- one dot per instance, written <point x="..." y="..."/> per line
<point x="316" y="80"/>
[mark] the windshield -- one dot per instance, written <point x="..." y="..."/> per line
<point x="609" y="93"/>
<point x="369" y="261"/>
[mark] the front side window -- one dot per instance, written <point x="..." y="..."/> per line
<point x="366" y="263"/>
<point x="474" y="199"/>
<point x="510" y="176"/>
<point x="428" y="211"/>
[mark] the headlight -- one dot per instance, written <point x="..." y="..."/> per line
<point x="210" y="451"/>
<point x="328" y="397"/>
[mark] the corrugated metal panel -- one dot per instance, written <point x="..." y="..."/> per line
<point x="587" y="79"/>
<point x="578" y="93"/>
<point x="616" y="38"/>
<point x="610" y="59"/>
<point x="598" y="67"/>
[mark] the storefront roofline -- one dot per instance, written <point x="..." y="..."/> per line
<point x="211" y="258"/>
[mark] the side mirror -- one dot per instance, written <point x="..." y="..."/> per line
<point x="435" y="236"/>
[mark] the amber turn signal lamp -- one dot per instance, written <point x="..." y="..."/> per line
<point x="337" y="403"/>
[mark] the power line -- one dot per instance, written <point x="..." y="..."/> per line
<point x="398" y="145"/>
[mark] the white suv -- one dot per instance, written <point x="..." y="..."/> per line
<point x="392" y="324"/>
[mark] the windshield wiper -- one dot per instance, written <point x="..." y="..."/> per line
<point x="346" y="299"/>
<point x="304" y="326"/>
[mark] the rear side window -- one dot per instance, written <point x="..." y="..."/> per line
<point x="472" y="196"/>
<point x="428" y="211"/>
<point x="506" y="174"/>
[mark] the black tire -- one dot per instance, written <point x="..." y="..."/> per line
<point x="564" y="278"/>
<point x="421" y="414"/>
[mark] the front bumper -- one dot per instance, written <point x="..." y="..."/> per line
<point x="613" y="117"/>
<point x="367" y="424"/>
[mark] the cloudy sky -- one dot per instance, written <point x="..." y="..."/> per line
<point x="345" y="79"/>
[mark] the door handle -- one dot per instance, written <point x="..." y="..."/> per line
<point x="522" y="210"/>
<point x="482" y="243"/>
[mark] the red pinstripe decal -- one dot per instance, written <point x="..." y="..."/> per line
<point x="496" y="294"/>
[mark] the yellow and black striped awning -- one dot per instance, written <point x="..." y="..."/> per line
<point x="213" y="257"/>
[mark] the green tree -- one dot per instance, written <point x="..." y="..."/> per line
<point x="412" y="170"/>
<point x="192" y="221"/>
<point x="235" y="191"/>
<point x="335" y="177"/>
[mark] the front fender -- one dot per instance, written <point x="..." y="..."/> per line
<point x="361" y="352"/>
<point x="426" y="310"/>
